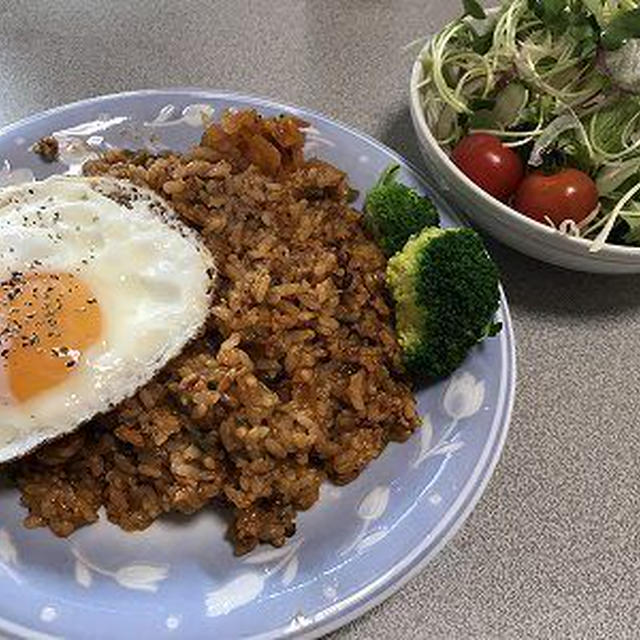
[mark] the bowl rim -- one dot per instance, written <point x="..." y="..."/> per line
<point x="576" y="246"/>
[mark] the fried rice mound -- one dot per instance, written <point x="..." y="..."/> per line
<point x="296" y="377"/>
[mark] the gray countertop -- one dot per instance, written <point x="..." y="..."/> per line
<point x="552" y="548"/>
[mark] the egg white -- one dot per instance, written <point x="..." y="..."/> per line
<point x="151" y="275"/>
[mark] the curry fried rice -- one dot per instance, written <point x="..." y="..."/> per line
<point x="297" y="377"/>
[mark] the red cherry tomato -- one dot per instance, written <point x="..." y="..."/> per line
<point x="567" y="194"/>
<point x="492" y="166"/>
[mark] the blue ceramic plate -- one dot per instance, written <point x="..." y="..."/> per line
<point x="356" y="546"/>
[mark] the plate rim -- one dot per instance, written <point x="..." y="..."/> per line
<point x="398" y="576"/>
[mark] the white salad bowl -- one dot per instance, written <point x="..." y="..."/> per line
<point x="501" y="221"/>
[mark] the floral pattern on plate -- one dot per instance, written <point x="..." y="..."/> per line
<point x="352" y="549"/>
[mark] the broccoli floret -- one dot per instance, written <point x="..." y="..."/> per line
<point x="445" y="287"/>
<point x="394" y="212"/>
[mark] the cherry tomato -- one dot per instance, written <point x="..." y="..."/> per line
<point x="491" y="165"/>
<point x="567" y="194"/>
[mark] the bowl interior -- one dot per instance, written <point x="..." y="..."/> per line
<point x="492" y="214"/>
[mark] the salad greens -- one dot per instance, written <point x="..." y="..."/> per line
<point x="558" y="81"/>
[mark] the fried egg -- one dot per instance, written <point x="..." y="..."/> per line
<point x="100" y="286"/>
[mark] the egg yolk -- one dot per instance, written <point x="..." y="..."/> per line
<point x="50" y="320"/>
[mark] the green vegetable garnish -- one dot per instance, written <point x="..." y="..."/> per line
<point x="624" y="26"/>
<point x="473" y="9"/>
<point x="608" y="125"/>
<point x="394" y="212"/>
<point x="445" y="288"/>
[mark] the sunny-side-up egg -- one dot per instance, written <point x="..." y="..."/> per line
<point x="100" y="286"/>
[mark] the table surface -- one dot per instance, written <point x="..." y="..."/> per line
<point x="552" y="548"/>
